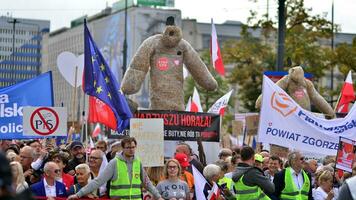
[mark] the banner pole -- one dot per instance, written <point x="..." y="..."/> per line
<point x="74" y="94"/>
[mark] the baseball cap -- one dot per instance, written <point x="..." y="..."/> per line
<point x="75" y="144"/>
<point x="5" y="171"/>
<point x="258" y="158"/>
<point x="182" y="159"/>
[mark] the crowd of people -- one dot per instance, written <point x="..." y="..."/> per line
<point x="38" y="169"/>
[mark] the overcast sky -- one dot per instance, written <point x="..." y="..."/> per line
<point x="61" y="12"/>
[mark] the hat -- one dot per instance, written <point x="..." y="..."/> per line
<point x="75" y="144"/>
<point x="5" y="171"/>
<point x="182" y="159"/>
<point x="258" y="158"/>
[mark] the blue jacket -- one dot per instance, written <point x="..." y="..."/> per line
<point x="38" y="189"/>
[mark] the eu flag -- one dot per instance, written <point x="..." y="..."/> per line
<point x="99" y="82"/>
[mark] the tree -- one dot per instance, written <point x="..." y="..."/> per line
<point x="302" y="47"/>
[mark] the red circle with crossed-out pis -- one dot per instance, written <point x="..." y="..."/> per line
<point x="40" y="115"/>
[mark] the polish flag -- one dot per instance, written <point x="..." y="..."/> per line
<point x="189" y="104"/>
<point x="215" y="52"/>
<point x="219" y="106"/>
<point x="347" y="95"/>
<point x="202" y="187"/>
<point x="195" y="105"/>
<point x="97" y="131"/>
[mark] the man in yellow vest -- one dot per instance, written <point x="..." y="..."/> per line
<point x="293" y="183"/>
<point x="250" y="182"/>
<point x="126" y="175"/>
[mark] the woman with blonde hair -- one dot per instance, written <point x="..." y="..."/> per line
<point x="172" y="187"/>
<point x="19" y="183"/>
<point x="325" y="191"/>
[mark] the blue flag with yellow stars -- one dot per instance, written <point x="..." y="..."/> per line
<point x="100" y="83"/>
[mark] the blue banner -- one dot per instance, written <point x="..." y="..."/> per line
<point x="33" y="92"/>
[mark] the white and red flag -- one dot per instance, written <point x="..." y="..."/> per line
<point x="195" y="105"/>
<point x="189" y="104"/>
<point x="215" y="52"/>
<point x="347" y="95"/>
<point x="219" y="106"/>
<point x="96" y="131"/>
<point x="202" y="187"/>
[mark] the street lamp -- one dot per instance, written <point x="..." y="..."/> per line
<point x="14" y="22"/>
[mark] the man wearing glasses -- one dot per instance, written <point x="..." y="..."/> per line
<point x="48" y="186"/>
<point x="126" y="174"/>
<point x="293" y="182"/>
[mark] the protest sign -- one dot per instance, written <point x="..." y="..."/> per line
<point x="252" y="124"/>
<point x="187" y="126"/>
<point x="149" y="137"/>
<point x="346" y="154"/>
<point x="283" y="122"/>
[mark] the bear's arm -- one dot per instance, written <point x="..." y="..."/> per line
<point x="320" y="103"/>
<point x="197" y="68"/>
<point x="139" y="67"/>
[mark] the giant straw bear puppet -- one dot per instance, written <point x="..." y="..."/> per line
<point x="163" y="56"/>
<point x="302" y="91"/>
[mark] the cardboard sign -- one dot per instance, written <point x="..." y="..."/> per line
<point x="149" y="137"/>
<point x="237" y="128"/>
<point x="252" y="124"/>
<point x="45" y="121"/>
<point x="279" y="151"/>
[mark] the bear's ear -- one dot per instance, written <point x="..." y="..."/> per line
<point x="170" y="21"/>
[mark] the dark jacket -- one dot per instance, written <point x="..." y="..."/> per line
<point x="280" y="184"/>
<point x="253" y="176"/>
<point x="38" y="189"/>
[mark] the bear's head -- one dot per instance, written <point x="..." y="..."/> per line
<point x="172" y="34"/>
<point x="296" y="74"/>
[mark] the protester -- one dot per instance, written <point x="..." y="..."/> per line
<point x="187" y="150"/>
<point x="119" y="171"/>
<point x="48" y="186"/>
<point x="18" y="182"/>
<point x="224" y="153"/>
<point x="185" y="174"/>
<point x="212" y="174"/>
<point x="61" y="159"/>
<point x="288" y="187"/>
<point x="26" y="160"/>
<point x="101" y="145"/>
<point x="233" y="161"/>
<point x="97" y="164"/>
<point x="325" y="191"/>
<point x="37" y="148"/>
<point x="4" y="144"/>
<point x="82" y="173"/>
<point x="348" y="189"/>
<point x="78" y="154"/>
<point x="250" y="182"/>
<point x="172" y="187"/>
<point x="273" y="167"/>
<point x="265" y="163"/>
<point x="259" y="161"/>
<point x="224" y="181"/>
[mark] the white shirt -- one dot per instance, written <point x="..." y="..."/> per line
<point x="297" y="178"/>
<point x="50" y="190"/>
<point x="320" y="194"/>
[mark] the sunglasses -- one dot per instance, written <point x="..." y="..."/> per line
<point x="93" y="158"/>
<point x="57" y="171"/>
<point x="301" y="158"/>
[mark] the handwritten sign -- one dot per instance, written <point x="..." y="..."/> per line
<point x="149" y="135"/>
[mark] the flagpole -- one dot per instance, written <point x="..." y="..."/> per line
<point x="337" y="102"/>
<point x="74" y="94"/>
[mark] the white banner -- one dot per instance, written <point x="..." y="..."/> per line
<point x="283" y="122"/>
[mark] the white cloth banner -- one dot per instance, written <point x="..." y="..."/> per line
<point x="283" y="122"/>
